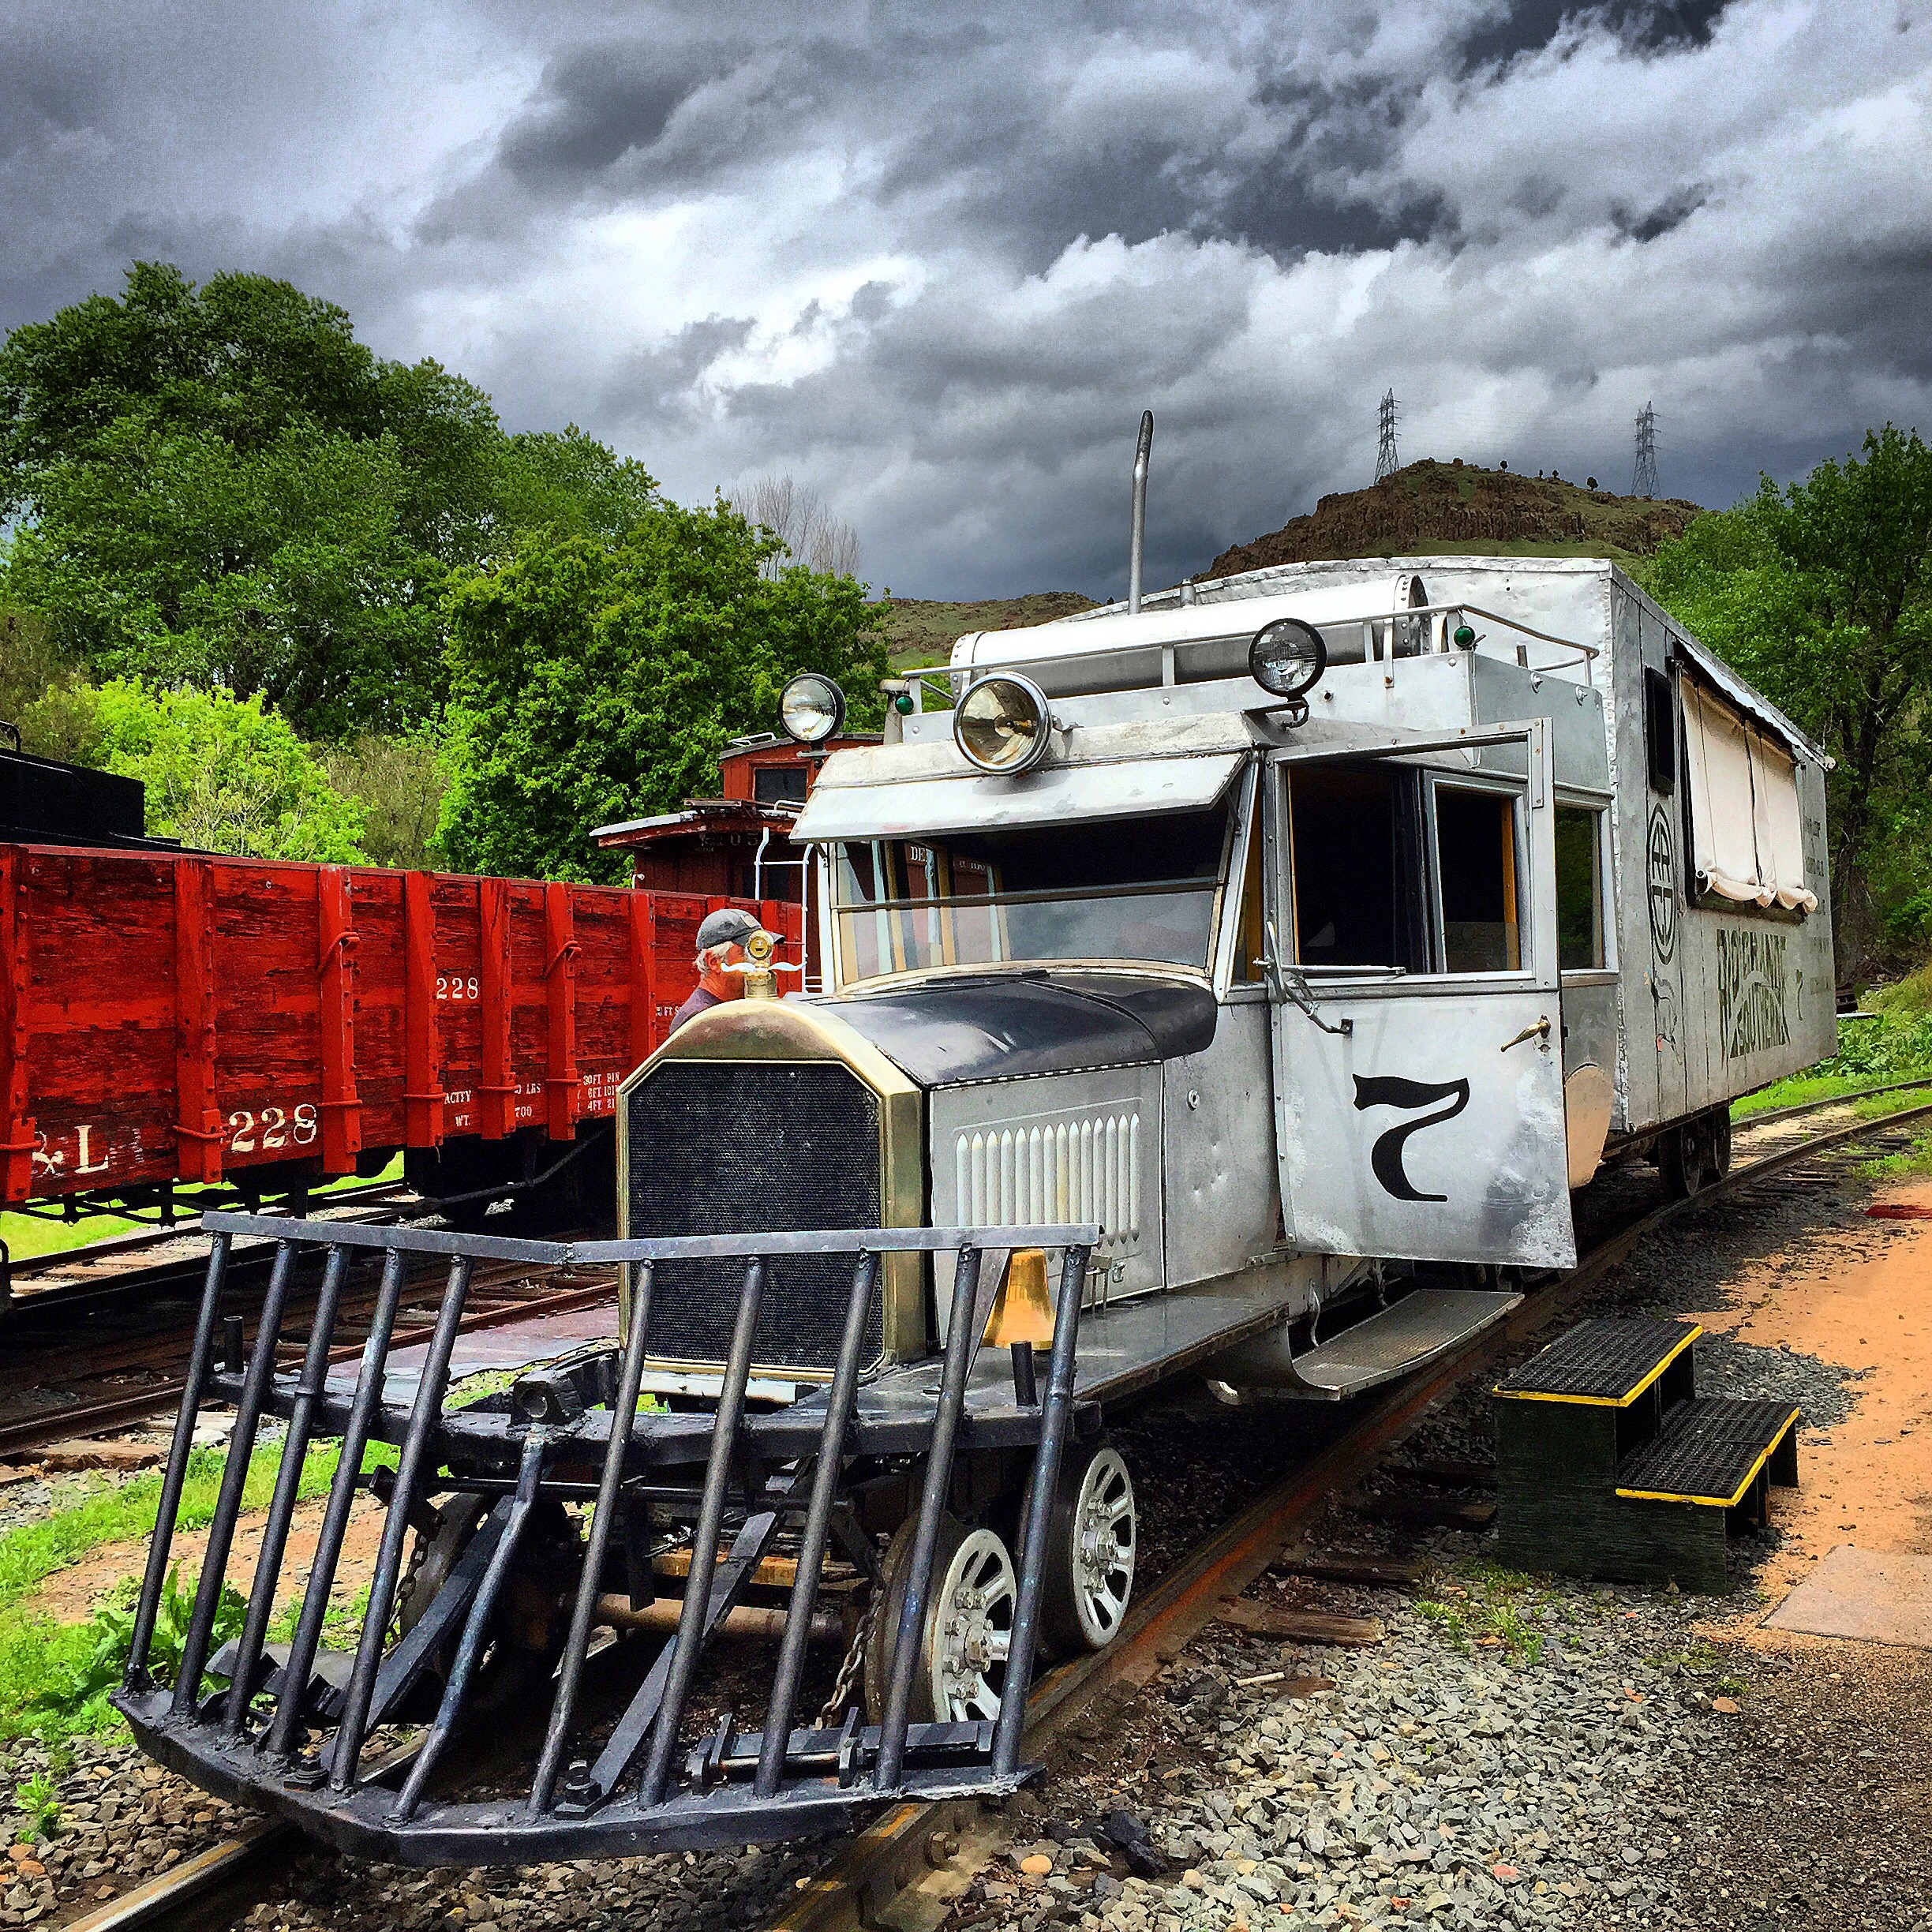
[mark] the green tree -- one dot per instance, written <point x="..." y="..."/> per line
<point x="29" y="661"/>
<point x="220" y="485"/>
<point x="223" y="774"/>
<point x="593" y="680"/>
<point x="399" y="783"/>
<point x="1821" y="593"/>
<point x="281" y="570"/>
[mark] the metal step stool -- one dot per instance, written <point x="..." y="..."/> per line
<point x="1610" y="1464"/>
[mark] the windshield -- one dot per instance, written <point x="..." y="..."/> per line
<point x="1138" y="890"/>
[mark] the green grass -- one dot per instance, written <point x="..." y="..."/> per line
<point x="1915" y="1160"/>
<point x="1495" y="1604"/>
<point x="1896" y="1044"/>
<point x="51" y="1673"/>
<point x="29" y="1235"/>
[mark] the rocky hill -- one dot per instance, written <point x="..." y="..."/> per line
<point x="920" y="630"/>
<point x="1456" y="508"/>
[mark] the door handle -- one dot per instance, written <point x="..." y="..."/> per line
<point x="1289" y="984"/>
<point x="1540" y="1031"/>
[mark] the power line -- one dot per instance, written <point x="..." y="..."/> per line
<point x="1645" y="482"/>
<point x="1387" y="462"/>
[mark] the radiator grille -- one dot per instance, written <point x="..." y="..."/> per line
<point x="753" y="1147"/>
<point x="1063" y="1171"/>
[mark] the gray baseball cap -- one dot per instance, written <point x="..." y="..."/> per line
<point x="726" y="927"/>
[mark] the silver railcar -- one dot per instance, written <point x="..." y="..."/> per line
<point x="1265" y="966"/>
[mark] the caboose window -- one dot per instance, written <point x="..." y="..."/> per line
<point x="1142" y="892"/>
<point x="1476" y="863"/>
<point x="775" y="785"/>
<point x="1579" y="889"/>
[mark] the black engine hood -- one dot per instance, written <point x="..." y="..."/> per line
<point x="1001" y="1026"/>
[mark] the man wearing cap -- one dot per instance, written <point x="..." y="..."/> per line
<point x="720" y="946"/>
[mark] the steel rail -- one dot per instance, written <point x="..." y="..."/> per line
<point x="111" y="1245"/>
<point x="934" y="1849"/>
<point x="53" y="1426"/>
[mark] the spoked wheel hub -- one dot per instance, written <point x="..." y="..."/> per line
<point x="971" y="1629"/>
<point x="968" y="1631"/>
<point x="1090" y="1550"/>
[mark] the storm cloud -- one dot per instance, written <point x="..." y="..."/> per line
<point x="934" y="263"/>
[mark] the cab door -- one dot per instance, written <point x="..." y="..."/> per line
<point x="1413" y="975"/>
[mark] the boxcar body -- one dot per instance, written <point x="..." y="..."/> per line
<point x="172" y="1017"/>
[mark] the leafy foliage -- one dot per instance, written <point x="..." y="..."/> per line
<point x="223" y="774"/>
<point x="113" y="1630"/>
<point x="1822" y="595"/>
<point x="596" y="680"/>
<point x="399" y="783"/>
<point x="220" y="485"/>
<point x="28" y="662"/>
<point x="37" y="1799"/>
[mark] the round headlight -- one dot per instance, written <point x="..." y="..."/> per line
<point x="1287" y="657"/>
<point x="812" y="709"/>
<point x="1001" y="724"/>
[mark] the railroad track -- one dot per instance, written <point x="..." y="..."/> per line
<point x="500" y="1293"/>
<point x="917" y="1858"/>
<point x="111" y="1268"/>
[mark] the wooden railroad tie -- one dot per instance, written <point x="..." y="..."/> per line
<point x="1446" y="1473"/>
<point x="1435" y="1512"/>
<point x="1293" y="1626"/>
<point x="1365" y="1572"/>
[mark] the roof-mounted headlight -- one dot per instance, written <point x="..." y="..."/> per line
<point x="1002" y="724"/>
<point x="1287" y="657"/>
<point x="812" y="709"/>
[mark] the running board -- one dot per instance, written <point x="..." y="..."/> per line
<point x="1422" y="1326"/>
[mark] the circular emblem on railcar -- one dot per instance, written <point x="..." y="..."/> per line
<point x="1660" y="867"/>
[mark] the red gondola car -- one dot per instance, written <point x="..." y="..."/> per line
<point x="168" y="1016"/>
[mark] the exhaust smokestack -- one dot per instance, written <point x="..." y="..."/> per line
<point x="1143" y="452"/>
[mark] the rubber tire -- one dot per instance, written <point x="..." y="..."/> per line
<point x="1060" y="1628"/>
<point x="879" y="1639"/>
<point x="886" y="1619"/>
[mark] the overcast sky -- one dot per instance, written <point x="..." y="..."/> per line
<point x="935" y="260"/>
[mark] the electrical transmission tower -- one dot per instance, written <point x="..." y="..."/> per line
<point x="1387" y="462"/>
<point x="1644" y="483"/>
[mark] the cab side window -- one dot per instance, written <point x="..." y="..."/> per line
<point x="1356" y="838"/>
<point x="1476" y="863"/>
<point x="1579" y="889"/>
<point x="1395" y="868"/>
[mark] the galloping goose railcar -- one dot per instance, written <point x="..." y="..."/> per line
<point x="1266" y="966"/>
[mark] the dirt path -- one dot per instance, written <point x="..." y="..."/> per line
<point x="1870" y="1481"/>
<point x="70" y="1595"/>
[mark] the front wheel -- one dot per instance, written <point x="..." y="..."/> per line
<point x="1091" y="1545"/>
<point x="968" y="1629"/>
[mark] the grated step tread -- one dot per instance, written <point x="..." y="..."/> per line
<point x="1610" y="1360"/>
<point x="1710" y="1450"/>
